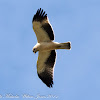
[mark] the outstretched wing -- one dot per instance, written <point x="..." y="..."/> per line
<point x="45" y="66"/>
<point x="42" y="27"/>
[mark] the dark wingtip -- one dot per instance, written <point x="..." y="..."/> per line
<point x="40" y="15"/>
<point x="50" y="85"/>
<point x="48" y="80"/>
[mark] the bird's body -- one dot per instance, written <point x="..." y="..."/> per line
<point x="46" y="47"/>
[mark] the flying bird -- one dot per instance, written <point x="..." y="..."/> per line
<point x="46" y="47"/>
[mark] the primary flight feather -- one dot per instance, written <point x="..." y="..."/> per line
<point x="46" y="47"/>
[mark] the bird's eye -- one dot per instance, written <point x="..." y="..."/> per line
<point x="34" y="49"/>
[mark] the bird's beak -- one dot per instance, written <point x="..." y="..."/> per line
<point x="34" y="52"/>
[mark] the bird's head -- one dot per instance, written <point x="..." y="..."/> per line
<point x="35" y="50"/>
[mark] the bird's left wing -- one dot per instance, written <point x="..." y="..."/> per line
<point x="45" y="66"/>
<point x="42" y="27"/>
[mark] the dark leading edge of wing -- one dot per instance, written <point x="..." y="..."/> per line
<point x="40" y="16"/>
<point x="47" y="75"/>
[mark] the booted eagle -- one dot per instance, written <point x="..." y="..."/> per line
<point x="46" y="47"/>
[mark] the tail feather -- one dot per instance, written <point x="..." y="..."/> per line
<point x="66" y="45"/>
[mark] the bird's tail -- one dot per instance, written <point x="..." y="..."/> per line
<point x="66" y="45"/>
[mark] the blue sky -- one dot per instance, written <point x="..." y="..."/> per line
<point x="77" y="72"/>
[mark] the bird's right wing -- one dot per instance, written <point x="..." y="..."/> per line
<point x="45" y="66"/>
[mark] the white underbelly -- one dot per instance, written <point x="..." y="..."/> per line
<point x="46" y="46"/>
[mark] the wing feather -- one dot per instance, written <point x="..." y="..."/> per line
<point x="47" y="27"/>
<point x="42" y="27"/>
<point x="45" y="66"/>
